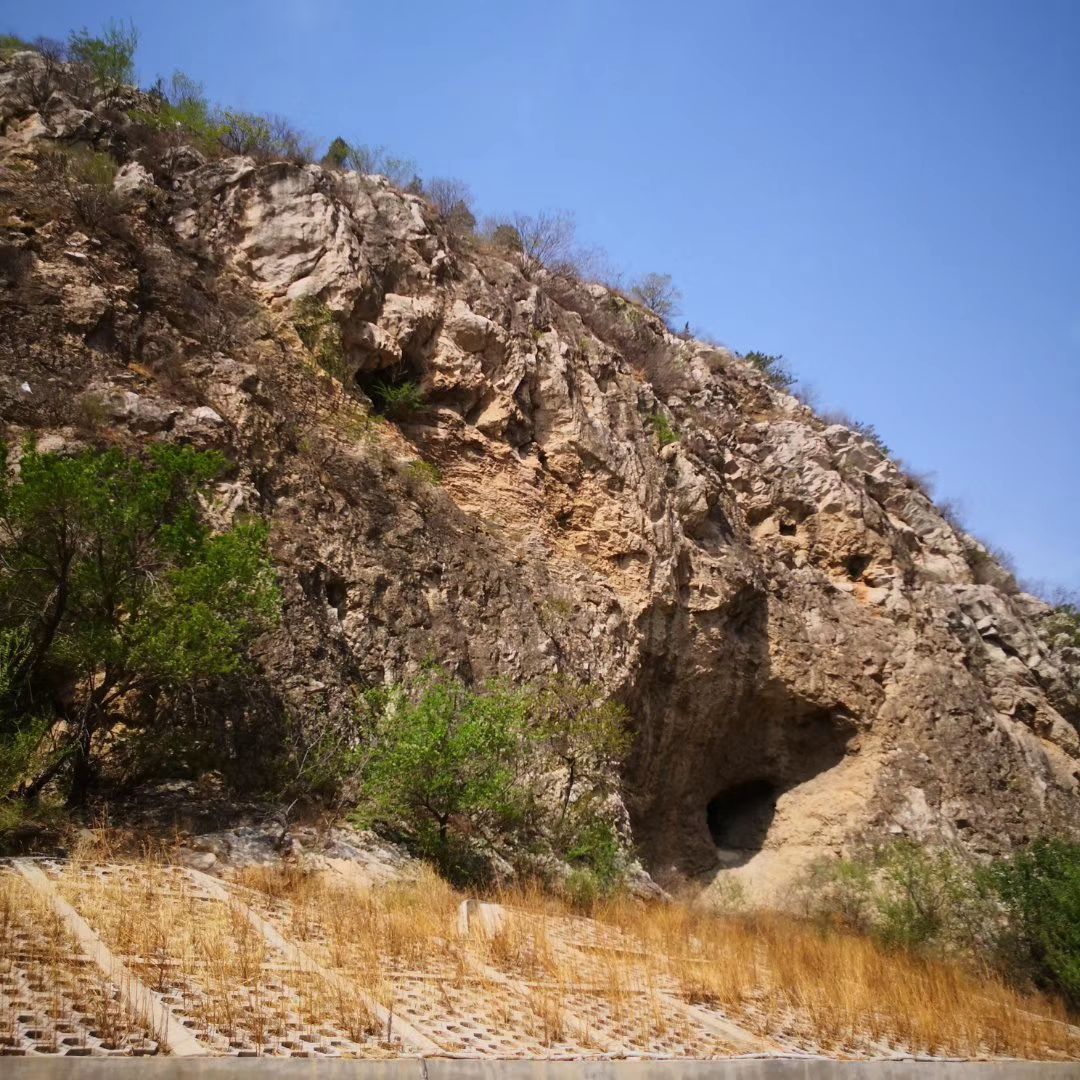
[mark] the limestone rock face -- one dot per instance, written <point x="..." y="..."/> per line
<point x="812" y="654"/>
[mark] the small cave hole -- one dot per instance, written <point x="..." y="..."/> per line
<point x="739" y="816"/>
<point x="393" y="392"/>
<point x="336" y="592"/>
<point x="787" y="528"/>
<point x="856" y="565"/>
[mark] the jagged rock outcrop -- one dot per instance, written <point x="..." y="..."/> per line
<point x="811" y="652"/>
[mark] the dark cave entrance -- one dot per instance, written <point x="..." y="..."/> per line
<point x="393" y="392"/>
<point x="739" y="816"/>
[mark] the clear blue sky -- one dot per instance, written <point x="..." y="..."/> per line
<point x="886" y="192"/>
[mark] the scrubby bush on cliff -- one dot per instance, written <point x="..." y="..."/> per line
<point x="263" y="136"/>
<point x="454" y="202"/>
<point x="368" y="160"/>
<point x="10" y="44"/>
<point x="665" y="433"/>
<point x="546" y="239"/>
<point x="659" y="295"/>
<point x="471" y="773"/>
<point x="397" y="399"/>
<point x="774" y="368"/>
<point x="109" y="60"/>
<point x="85" y="178"/>
<point x="317" y="327"/>
<point x="1062" y="625"/>
<point x="117" y="599"/>
<point x="183" y="110"/>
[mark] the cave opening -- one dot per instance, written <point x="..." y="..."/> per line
<point x="739" y="816"/>
<point x="857" y="565"/>
<point x="394" y="392"/>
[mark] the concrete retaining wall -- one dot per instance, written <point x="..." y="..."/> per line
<point x="53" y="1068"/>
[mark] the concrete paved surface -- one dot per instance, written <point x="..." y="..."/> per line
<point x="58" y="1068"/>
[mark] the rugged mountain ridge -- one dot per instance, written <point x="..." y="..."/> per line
<point x="812" y="654"/>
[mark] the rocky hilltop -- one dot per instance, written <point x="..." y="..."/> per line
<point x="812" y="654"/>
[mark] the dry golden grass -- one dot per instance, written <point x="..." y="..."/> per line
<point x="41" y="977"/>
<point x="775" y="975"/>
<point x="845" y="992"/>
<point x="616" y="979"/>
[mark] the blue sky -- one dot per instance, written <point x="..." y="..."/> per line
<point x="886" y="192"/>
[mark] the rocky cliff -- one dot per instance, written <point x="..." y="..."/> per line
<point x="812" y="654"/>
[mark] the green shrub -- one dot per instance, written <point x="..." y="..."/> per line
<point x="470" y="772"/>
<point x="423" y="472"/>
<point x="336" y="155"/>
<point x="184" y="108"/>
<point x="126" y="597"/>
<point x="1018" y="915"/>
<point x="1062" y="625"/>
<point x="774" y="368"/>
<point x="665" y="433"/>
<point x="263" y="136"/>
<point x="109" y="59"/>
<point x="397" y="400"/>
<point x="840" y="892"/>
<point x="1040" y="891"/>
<point x="927" y="897"/>
<point x="370" y="160"/>
<point x="10" y="44"/>
<point x="441" y="760"/>
<point x="317" y="327"/>
<point x="86" y="176"/>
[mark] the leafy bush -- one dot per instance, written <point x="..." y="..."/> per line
<point x="263" y="136"/>
<point x="86" y="177"/>
<point x="1040" y="891"/>
<point x="125" y="597"/>
<point x="423" y="472"/>
<point x="774" y="368"/>
<point x="318" y="328"/>
<point x="397" y="400"/>
<point x="10" y="44"/>
<point x="109" y="59"/>
<point x="471" y="772"/>
<point x="1062" y="625"/>
<point x="866" y="430"/>
<point x="183" y="108"/>
<point x="1019" y="915"/>
<point x="336" y="154"/>
<point x="928" y="896"/>
<point x="665" y="433"/>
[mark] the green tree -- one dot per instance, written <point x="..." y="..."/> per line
<point x="1040" y="890"/>
<point x="518" y="770"/>
<point x="585" y="733"/>
<point x="445" y="759"/>
<point x="122" y="594"/>
<point x="336" y="154"/>
<point x="109" y="59"/>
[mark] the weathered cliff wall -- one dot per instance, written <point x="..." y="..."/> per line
<point x="811" y="653"/>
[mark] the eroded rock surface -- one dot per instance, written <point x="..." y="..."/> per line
<point x="811" y="652"/>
